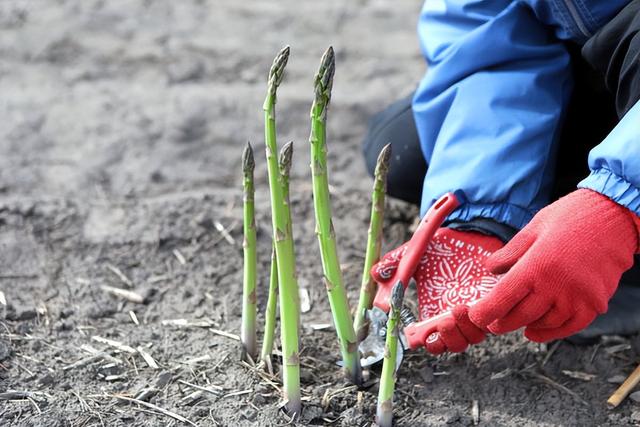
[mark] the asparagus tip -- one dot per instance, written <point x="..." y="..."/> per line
<point x="397" y="295"/>
<point x="248" y="162"/>
<point x="384" y="156"/>
<point x="277" y="69"/>
<point x="324" y="78"/>
<point x="285" y="158"/>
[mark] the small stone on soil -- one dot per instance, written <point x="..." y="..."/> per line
<point x="64" y="325"/>
<point x="426" y="374"/>
<point x="46" y="380"/>
<point x="102" y="311"/>
<point x="306" y="377"/>
<point x="258" y="399"/>
<point x="157" y="176"/>
<point x="451" y="416"/>
<point x="248" y="413"/>
<point x="66" y="312"/>
<point x="351" y="417"/>
<point x="20" y="313"/>
<point x="311" y="412"/>
<point x="24" y="328"/>
<point x="5" y="350"/>
<point x="616" y="379"/>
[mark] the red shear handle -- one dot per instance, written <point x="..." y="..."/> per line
<point x="432" y="220"/>
<point x="417" y="333"/>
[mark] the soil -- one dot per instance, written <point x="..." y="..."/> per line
<point x="122" y="128"/>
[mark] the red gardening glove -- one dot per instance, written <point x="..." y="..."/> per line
<point x="561" y="269"/>
<point x="450" y="276"/>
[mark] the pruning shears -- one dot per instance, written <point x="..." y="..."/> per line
<point x="414" y="333"/>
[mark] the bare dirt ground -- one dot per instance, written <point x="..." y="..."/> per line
<point x="122" y="124"/>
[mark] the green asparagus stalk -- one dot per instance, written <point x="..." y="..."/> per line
<point x="384" y="411"/>
<point x="270" y="313"/>
<point x="374" y="242"/>
<point x="248" y="333"/>
<point x="324" y="227"/>
<point x="285" y="256"/>
<point x="284" y="167"/>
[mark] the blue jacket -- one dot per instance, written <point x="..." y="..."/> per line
<point x="490" y="107"/>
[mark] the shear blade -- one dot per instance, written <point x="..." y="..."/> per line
<point x="372" y="347"/>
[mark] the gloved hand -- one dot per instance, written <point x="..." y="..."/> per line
<point x="561" y="269"/>
<point x="451" y="274"/>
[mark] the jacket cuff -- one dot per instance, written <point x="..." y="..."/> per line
<point x="614" y="187"/>
<point x="504" y="213"/>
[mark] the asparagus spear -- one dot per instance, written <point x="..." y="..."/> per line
<point x="384" y="411"/>
<point x="285" y="256"/>
<point x="374" y="241"/>
<point x="324" y="227"/>
<point x="270" y="313"/>
<point x="284" y="167"/>
<point x="248" y="333"/>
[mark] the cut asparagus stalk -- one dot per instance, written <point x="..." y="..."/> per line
<point x="248" y="332"/>
<point x="374" y="241"/>
<point x="324" y="227"/>
<point x="384" y="411"/>
<point x="285" y="256"/>
<point x="270" y="313"/>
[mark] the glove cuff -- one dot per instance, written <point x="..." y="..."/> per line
<point x="472" y="240"/>
<point x="610" y="212"/>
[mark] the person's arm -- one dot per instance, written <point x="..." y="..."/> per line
<point x="561" y="270"/>
<point x="614" y="51"/>
<point x="615" y="163"/>
<point x="490" y="107"/>
<point x="488" y="114"/>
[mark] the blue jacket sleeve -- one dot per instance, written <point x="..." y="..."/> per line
<point x="489" y="109"/>
<point x="615" y="163"/>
